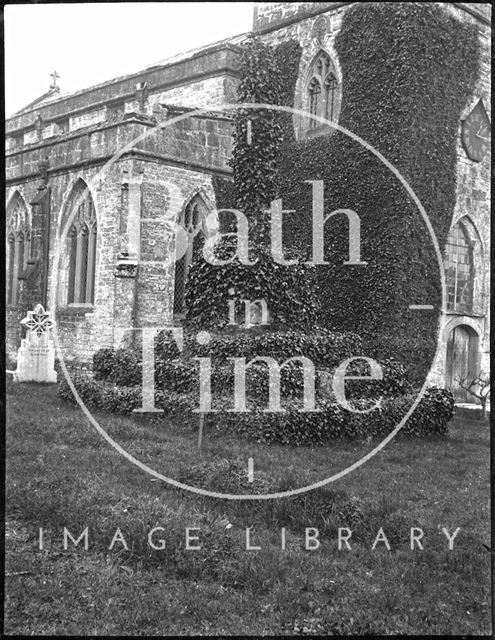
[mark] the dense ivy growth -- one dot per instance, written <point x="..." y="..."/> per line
<point x="289" y="291"/>
<point x="408" y="71"/>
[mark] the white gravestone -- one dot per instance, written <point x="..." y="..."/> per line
<point x="36" y="355"/>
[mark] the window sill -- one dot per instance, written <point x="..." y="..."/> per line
<point x="320" y="130"/>
<point x="75" y="311"/>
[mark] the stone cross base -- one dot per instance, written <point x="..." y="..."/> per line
<point x="35" y="363"/>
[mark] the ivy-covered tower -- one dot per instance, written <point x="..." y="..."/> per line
<point x="410" y="79"/>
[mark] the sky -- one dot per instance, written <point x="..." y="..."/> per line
<point x="89" y="43"/>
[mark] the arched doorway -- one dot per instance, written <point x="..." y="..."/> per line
<point x="462" y="360"/>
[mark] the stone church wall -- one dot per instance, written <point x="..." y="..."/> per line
<point x="142" y="189"/>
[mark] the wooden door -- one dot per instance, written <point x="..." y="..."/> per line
<point x="462" y="351"/>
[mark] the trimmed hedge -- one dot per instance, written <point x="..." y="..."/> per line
<point x="325" y="348"/>
<point x="292" y="427"/>
<point x="181" y="372"/>
<point x="296" y="428"/>
<point x="183" y="376"/>
<point x="112" y="398"/>
<point x="120" y="366"/>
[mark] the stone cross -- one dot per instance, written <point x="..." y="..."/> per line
<point x="54" y="75"/>
<point x="36" y="355"/>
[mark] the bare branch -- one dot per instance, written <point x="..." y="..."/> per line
<point x="478" y="386"/>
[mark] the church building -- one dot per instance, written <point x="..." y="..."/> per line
<point x="98" y="180"/>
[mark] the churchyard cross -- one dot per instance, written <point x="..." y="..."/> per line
<point x="36" y="355"/>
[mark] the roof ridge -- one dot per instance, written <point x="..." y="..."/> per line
<point x="165" y="62"/>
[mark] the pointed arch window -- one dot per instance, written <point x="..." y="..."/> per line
<point x="82" y="239"/>
<point x="314" y="100"/>
<point x="192" y="220"/>
<point x="322" y="90"/>
<point x="18" y="246"/>
<point x="330" y="97"/>
<point x="459" y="270"/>
<point x="10" y="266"/>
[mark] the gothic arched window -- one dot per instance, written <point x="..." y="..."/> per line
<point x="330" y="97"/>
<point x="459" y="270"/>
<point x="18" y="243"/>
<point x="192" y="220"/>
<point x="82" y="249"/>
<point x="314" y="100"/>
<point x="322" y="90"/>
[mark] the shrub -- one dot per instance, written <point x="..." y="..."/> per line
<point x="103" y="363"/>
<point x="289" y="290"/>
<point x="126" y="368"/>
<point x="395" y="380"/>
<point x="182" y="374"/>
<point x="178" y="375"/>
<point x="323" y="347"/>
<point x="292" y="426"/>
<point x="101" y="395"/>
<point x="118" y="399"/>
<point x="120" y="366"/>
<point x="414" y="352"/>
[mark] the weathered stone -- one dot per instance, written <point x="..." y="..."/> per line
<point x="36" y="355"/>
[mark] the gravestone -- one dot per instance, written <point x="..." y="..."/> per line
<point x="36" y="355"/>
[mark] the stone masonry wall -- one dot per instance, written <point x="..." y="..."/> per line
<point x="204" y="94"/>
<point x="141" y="184"/>
<point x="165" y="193"/>
<point x="79" y="330"/>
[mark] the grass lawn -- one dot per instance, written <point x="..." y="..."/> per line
<point x="60" y="472"/>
